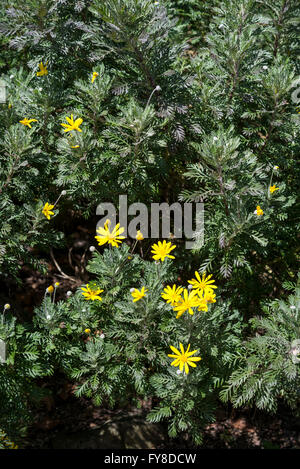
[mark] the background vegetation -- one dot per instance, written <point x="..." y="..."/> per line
<point x="188" y="101"/>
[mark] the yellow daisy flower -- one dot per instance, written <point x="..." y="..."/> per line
<point x="273" y="189"/>
<point x="189" y="301"/>
<point x="138" y="295"/>
<point x="161" y="250"/>
<point x="172" y="294"/>
<point x="73" y="125"/>
<point x="91" y="293"/>
<point x="27" y="122"/>
<point x="43" y="69"/>
<point x="259" y="211"/>
<point x="183" y="358"/>
<point x="50" y="289"/>
<point x="113" y="237"/>
<point x="203" y="284"/>
<point x="47" y="210"/>
<point x="95" y="75"/>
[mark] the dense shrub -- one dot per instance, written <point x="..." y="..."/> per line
<point x="161" y="101"/>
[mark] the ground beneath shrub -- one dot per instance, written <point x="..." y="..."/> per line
<point x="72" y="423"/>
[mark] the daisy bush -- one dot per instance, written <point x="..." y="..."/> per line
<point x="133" y="334"/>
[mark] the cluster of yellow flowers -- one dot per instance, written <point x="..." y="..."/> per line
<point x="183" y="300"/>
<point x="72" y="125"/>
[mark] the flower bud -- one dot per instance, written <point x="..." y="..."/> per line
<point x="139" y="236"/>
<point x="69" y="293"/>
<point x="50" y="289"/>
<point x="7" y="306"/>
<point x="132" y="290"/>
<point x="63" y="192"/>
<point x="92" y="248"/>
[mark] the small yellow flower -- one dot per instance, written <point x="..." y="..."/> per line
<point x="43" y="70"/>
<point x="47" y="210"/>
<point x="189" y="301"/>
<point x="138" y="295"/>
<point x="87" y="331"/>
<point x="129" y="258"/>
<point x="7" y="306"/>
<point x="276" y="167"/>
<point x="183" y="358"/>
<point x="91" y="293"/>
<point x="75" y="146"/>
<point x="139" y="236"/>
<point x="273" y="189"/>
<point x="259" y="211"/>
<point x="56" y="284"/>
<point x="50" y="289"/>
<point x="161" y="250"/>
<point x="203" y="284"/>
<point x="95" y="75"/>
<point x="73" y="125"/>
<point x="172" y="294"/>
<point x="113" y="237"/>
<point x="27" y="122"/>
